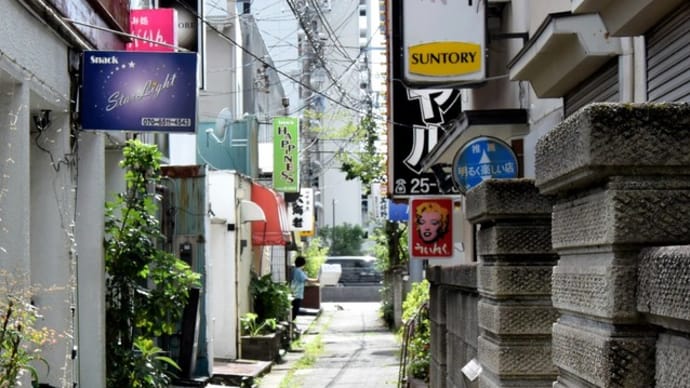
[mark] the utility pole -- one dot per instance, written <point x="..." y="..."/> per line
<point x="333" y="229"/>
<point x="312" y="79"/>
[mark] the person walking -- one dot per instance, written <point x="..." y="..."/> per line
<point x="299" y="279"/>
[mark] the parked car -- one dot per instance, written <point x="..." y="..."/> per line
<point x="356" y="269"/>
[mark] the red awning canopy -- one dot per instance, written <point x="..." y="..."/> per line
<point x="275" y="231"/>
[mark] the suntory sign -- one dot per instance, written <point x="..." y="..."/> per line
<point x="449" y="49"/>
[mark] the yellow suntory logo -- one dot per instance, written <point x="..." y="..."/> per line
<point x="445" y="58"/>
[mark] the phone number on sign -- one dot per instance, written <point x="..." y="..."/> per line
<point x="166" y="122"/>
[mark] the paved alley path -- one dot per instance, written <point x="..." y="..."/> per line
<point x="358" y="351"/>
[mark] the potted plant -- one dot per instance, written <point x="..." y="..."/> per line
<point x="269" y="299"/>
<point x="316" y="256"/>
<point x="259" y="339"/>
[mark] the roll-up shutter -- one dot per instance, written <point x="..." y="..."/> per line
<point x="601" y="86"/>
<point x="668" y="58"/>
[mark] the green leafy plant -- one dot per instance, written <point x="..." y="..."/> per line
<point x="390" y="242"/>
<point x="369" y="164"/>
<point x="252" y="327"/>
<point x="146" y="287"/>
<point x="345" y="240"/>
<point x="417" y="330"/>
<point x="21" y="341"/>
<point x="149" y="368"/>
<point x="271" y="299"/>
<point x="315" y="255"/>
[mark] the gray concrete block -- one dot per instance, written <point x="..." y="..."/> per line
<point x="506" y="199"/>
<point x="623" y="214"/>
<point x="672" y="360"/>
<point x="664" y="283"/>
<point x="437" y="304"/>
<point x="518" y="318"/>
<point x="462" y="318"/>
<point x="519" y="360"/>
<point x="521" y="239"/>
<point x="437" y="375"/>
<point x="368" y="293"/>
<point x="603" y="291"/>
<point x="514" y="280"/>
<point x="606" y="139"/>
<point x="489" y="381"/>
<point x="456" y="352"/>
<point x="604" y="358"/>
<point x="462" y="276"/>
<point x="438" y="343"/>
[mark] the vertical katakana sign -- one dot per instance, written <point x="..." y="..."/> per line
<point x="421" y="118"/>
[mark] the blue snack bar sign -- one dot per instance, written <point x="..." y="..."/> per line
<point x="138" y="91"/>
<point x="483" y="158"/>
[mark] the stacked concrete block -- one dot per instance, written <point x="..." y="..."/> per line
<point x="664" y="298"/>
<point x="514" y="283"/>
<point x="620" y="178"/>
<point x="437" y="317"/>
<point x="454" y="331"/>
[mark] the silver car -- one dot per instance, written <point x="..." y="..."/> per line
<point x="357" y="269"/>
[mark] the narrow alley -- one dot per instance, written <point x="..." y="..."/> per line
<point x="357" y="350"/>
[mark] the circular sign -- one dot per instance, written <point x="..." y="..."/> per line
<point x="482" y="158"/>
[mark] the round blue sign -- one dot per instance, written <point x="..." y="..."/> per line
<point x="483" y="158"/>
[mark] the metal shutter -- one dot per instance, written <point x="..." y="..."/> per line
<point x="601" y="86"/>
<point x="668" y="58"/>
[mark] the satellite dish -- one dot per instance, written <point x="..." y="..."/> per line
<point x="223" y="123"/>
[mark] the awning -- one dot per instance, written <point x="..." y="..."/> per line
<point x="564" y="51"/>
<point x="275" y="230"/>
<point x="627" y="17"/>
<point x="504" y="124"/>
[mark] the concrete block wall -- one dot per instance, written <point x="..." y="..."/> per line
<point x="454" y="325"/>
<point x="515" y="313"/>
<point x="663" y="297"/>
<point x="620" y="180"/>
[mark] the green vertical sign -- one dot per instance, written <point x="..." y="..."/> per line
<point x="286" y="154"/>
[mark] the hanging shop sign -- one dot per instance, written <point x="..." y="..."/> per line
<point x="421" y="117"/>
<point x="301" y="212"/>
<point x="449" y="50"/>
<point x="153" y="25"/>
<point x="431" y="228"/>
<point x="138" y="91"/>
<point x="286" y="154"/>
<point x="482" y="158"/>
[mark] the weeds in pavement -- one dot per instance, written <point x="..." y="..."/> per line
<point x="312" y="351"/>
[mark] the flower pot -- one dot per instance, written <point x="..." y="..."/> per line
<point x="416" y="383"/>
<point x="312" y="297"/>
<point x="261" y="347"/>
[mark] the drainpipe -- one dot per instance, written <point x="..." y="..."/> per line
<point x="626" y="78"/>
<point x="640" y="64"/>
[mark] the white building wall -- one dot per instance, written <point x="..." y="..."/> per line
<point x="41" y="234"/>
<point x="90" y="269"/>
<point x="501" y="93"/>
<point x="221" y="292"/>
<point x="279" y="28"/>
<point x="341" y="55"/>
